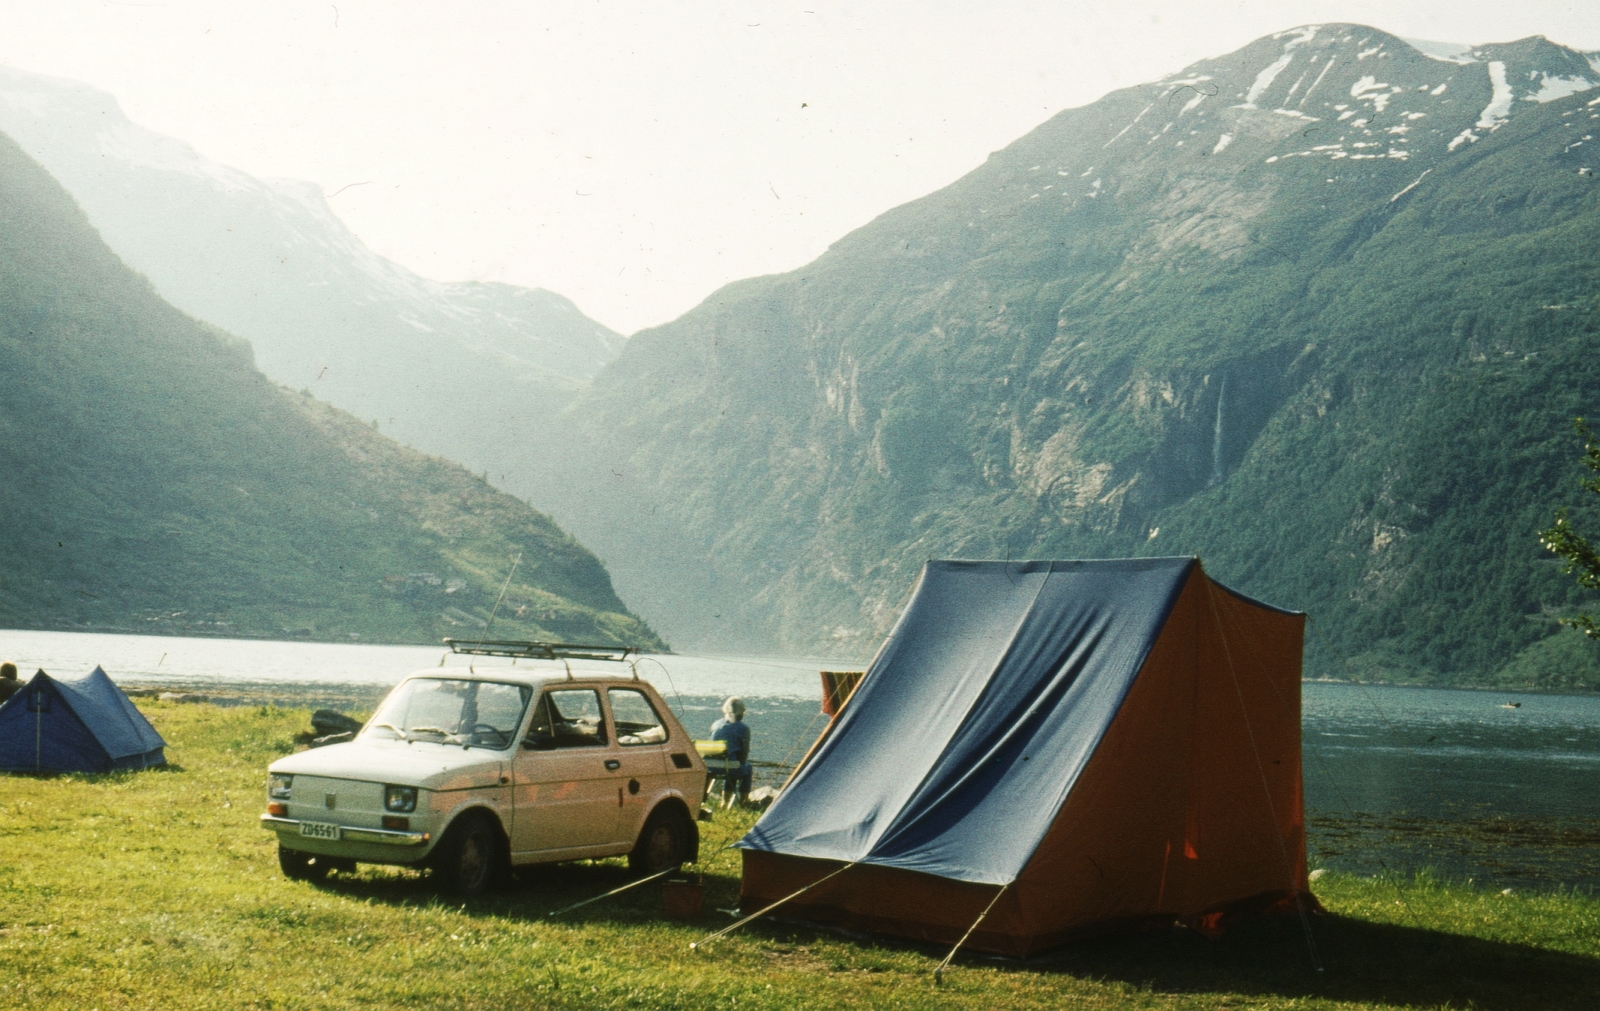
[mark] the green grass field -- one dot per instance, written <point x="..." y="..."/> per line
<point x="158" y="890"/>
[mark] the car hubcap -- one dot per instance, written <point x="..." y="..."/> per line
<point x="474" y="860"/>
<point x="663" y="847"/>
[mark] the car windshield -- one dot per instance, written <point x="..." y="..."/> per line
<point x="452" y="711"/>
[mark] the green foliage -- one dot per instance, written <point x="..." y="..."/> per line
<point x="154" y="481"/>
<point x="159" y="890"/>
<point x="1565" y="661"/>
<point x="1561" y="538"/>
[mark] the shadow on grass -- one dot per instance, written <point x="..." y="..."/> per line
<point x="114" y="776"/>
<point x="1362" y="960"/>
<point x="533" y="893"/>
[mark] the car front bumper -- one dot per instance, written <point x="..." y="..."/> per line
<point x="348" y="833"/>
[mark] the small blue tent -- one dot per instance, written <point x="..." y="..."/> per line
<point x="75" y="725"/>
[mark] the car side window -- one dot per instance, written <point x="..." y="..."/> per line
<point x="572" y="718"/>
<point x="636" y="719"/>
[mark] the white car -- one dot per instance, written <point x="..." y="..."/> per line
<point x="472" y="773"/>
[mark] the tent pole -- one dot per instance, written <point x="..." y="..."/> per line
<point x="938" y="972"/>
<point x="760" y="913"/>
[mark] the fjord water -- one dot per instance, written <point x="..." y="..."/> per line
<point x="1503" y="787"/>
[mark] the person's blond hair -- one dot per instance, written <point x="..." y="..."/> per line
<point x="733" y="708"/>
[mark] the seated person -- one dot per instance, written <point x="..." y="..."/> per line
<point x="731" y="729"/>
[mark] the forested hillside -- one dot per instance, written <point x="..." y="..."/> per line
<point x="152" y="480"/>
<point x="1319" y="311"/>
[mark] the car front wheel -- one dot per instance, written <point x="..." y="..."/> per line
<point x="469" y="856"/>
<point x="663" y="842"/>
<point x="298" y="866"/>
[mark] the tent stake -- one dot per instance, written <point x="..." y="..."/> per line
<point x="614" y="891"/>
<point x="938" y="972"/>
<point x="695" y="946"/>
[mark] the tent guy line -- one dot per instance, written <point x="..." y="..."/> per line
<point x="697" y="945"/>
<point x="938" y="971"/>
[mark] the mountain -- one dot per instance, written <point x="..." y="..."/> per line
<point x="1319" y="311"/>
<point x="152" y="480"/>
<point x="464" y="370"/>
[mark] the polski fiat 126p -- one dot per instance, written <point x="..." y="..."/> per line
<point x="471" y="772"/>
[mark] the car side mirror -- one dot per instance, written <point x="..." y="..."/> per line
<point x="540" y="742"/>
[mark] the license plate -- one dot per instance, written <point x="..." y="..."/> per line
<point x="319" y="830"/>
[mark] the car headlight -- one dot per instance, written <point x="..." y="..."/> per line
<point x="400" y="798"/>
<point x="278" y="786"/>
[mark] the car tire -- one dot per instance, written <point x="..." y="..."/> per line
<point x="471" y="856"/>
<point x="663" y="842"/>
<point x="301" y="866"/>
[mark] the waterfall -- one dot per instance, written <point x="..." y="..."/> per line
<point x="1216" y="437"/>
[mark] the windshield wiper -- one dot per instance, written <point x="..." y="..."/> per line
<point x="390" y="726"/>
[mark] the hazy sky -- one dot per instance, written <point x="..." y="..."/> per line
<point x="636" y="156"/>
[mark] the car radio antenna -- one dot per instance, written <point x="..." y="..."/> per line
<point x="503" y="587"/>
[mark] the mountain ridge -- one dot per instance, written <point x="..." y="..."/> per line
<point x="444" y="366"/>
<point x="1114" y="327"/>
<point x="151" y="479"/>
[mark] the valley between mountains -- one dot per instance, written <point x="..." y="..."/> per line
<point x="1319" y="311"/>
<point x="153" y="481"/>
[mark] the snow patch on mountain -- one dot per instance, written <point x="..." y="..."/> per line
<point x="1270" y="73"/>
<point x="1446" y="52"/>
<point x="1499" y="107"/>
<point x="1368" y="89"/>
<point x="1552" y="87"/>
<point x="1327" y="66"/>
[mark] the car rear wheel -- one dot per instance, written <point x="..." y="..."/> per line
<point x="470" y="855"/>
<point x="663" y="842"/>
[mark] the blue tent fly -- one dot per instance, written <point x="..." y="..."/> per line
<point x="81" y="724"/>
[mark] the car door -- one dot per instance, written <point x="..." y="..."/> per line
<point x="564" y="776"/>
<point x="641" y="746"/>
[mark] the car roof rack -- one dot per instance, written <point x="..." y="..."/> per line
<point x="539" y="650"/>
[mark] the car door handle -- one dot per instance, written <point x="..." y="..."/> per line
<point x="613" y="764"/>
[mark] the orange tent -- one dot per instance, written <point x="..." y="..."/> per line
<point x="1075" y="747"/>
